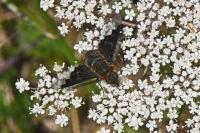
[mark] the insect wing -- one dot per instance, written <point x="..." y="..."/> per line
<point x="80" y="75"/>
<point x="107" y="46"/>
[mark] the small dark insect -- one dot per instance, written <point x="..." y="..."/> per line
<point x="97" y="64"/>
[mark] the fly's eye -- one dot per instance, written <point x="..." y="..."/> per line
<point x="112" y="78"/>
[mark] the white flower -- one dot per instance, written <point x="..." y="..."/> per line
<point x="171" y="23"/>
<point x="165" y="10"/>
<point x="93" y="114"/>
<point x="172" y="114"/>
<point x="127" y="3"/>
<point x="51" y="110"/>
<point x="142" y="84"/>
<point x="103" y="130"/>
<point x="60" y="12"/>
<point x="46" y="4"/>
<point x="96" y="98"/>
<point x="82" y="46"/>
<point x="128" y="31"/>
<point x="189" y="122"/>
<point x="118" y="127"/>
<point x="58" y="68"/>
<point x="129" y="14"/>
<point x="41" y="71"/>
<point x="129" y="53"/>
<point x="151" y="125"/>
<point x="141" y="17"/>
<point x="22" y="85"/>
<point x="105" y="9"/>
<point x="49" y="94"/>
<point x="172" y="126"/>
<point x="134" y="122"/>
<point x="128" y="70"/>
<point x="117" y="6"/>
<point x="61" y="120"/>
<point x="63" y="29"/>
<point x="127" y="84"/>
<point x="65" y="3"/>
<point x="37" y="109"/>
<point x="77" y="102"/>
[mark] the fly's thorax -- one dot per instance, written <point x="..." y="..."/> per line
<point x="91" y="57"/>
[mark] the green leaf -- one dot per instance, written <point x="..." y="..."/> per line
<point x="47" y="25"/>
<point x="32" y="10"/>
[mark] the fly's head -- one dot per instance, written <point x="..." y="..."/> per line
<point x="112" y="78"/>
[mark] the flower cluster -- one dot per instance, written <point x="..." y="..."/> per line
<point x="79" y="13"/>
<point x="163" y="64"/>
<point x="48" y="95"/>
<point x="160" y="82"/>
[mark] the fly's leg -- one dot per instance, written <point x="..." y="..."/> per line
<point x="100" y="85"/>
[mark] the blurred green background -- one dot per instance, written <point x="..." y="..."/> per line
<point x="28" y="38"/>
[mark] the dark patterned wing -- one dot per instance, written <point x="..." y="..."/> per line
<point x="80" y="75"/>
<point x="107" y="46"/>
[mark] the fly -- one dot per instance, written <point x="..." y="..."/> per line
<point x="98" y="64"/>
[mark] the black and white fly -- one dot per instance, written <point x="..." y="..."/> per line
<point x="98" y="64"/>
